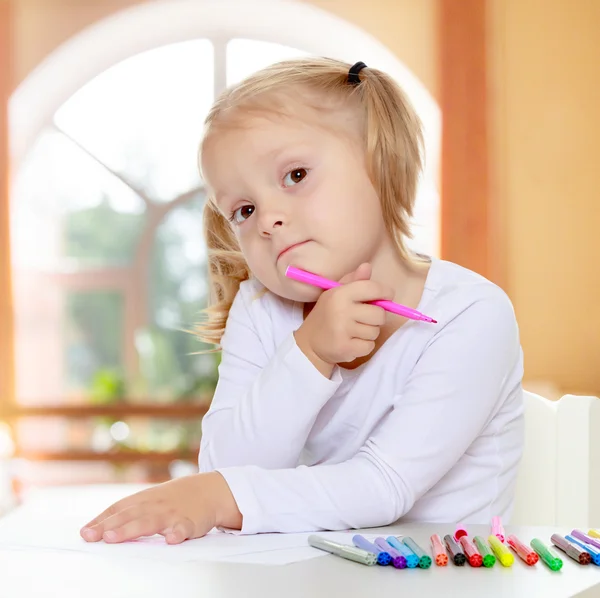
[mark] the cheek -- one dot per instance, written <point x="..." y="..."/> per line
<point x="253" y="251"/>
<point x="247" y="247"/>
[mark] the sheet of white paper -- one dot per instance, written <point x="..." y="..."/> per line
<point x="52" y="520"/>
<point x="283" y="556"/>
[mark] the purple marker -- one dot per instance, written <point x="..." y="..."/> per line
<point x="383" y="556"/>
<point x="585" y="538"/>
<point x="398" y="560"/>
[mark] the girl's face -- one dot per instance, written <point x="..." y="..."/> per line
<point x="296" y="194"/>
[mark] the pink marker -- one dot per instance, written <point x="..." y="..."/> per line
<point x="497" y="529"/>
<point x="460" y="532"/>
<point x="324" y="283"/>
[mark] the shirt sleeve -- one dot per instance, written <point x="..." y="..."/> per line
<point x="264" y="406"/>
<point x="453" y="391"/>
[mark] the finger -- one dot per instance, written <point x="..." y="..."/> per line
<point x="165" y="531"/>
<point x="112" y="510"/>
<point x="92" y="531"/>
<point x="182" y="530"/>
<point x="364" y="331"/>
<point x="371" y="315"/>
<point x="360" y="347"/>
<point x="147" y="524"/>
<point x="96" y="532"/>
<point x="368" y="290"/>
<point x="120" y="505"/>
<point x="363" y="272"/>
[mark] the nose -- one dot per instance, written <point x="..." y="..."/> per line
<point x="270" y="218"/>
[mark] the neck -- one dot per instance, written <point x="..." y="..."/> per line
<point x="405" y="276"/>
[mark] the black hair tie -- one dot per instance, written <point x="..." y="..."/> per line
<point x="353" y="77"/>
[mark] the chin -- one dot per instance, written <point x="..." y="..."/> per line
<point x="289" y="289"/>
<point x="298" y="291"/>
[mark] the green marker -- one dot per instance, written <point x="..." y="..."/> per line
<point x="489" y="560"/>
<point x="553" y="562"/>
<point x="424" y="558"/>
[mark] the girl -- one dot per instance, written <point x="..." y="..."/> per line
<point x="330" y="413"/>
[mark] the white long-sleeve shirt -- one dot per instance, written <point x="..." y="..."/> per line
<point x="429" y="429"/>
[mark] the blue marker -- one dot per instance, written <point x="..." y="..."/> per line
<point x="594" y="552"/>
<point x="383" y="558"/>
<point x="398" y="560"/>
<point x="412" y="560"/>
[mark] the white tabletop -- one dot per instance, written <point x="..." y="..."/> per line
<point x="29" y="571"/>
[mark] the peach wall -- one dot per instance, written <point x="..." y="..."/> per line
<point x="39" y="26"/>
<point x="544" y="60"/>
<point x="407" y="27"/>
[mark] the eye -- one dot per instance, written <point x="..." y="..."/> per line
<point x="242" y="214"/>
<point x="293" y="177"/>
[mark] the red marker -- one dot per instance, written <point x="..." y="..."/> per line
<point x="473" y="556"/>
<point x="524" y="552"/>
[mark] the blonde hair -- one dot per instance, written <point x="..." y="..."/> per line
<point x="393" y="141"/>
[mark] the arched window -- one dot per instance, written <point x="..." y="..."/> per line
<point x="108" y="257"/>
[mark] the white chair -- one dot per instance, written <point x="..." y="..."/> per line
<point x="559" y="476"/>
<point x="578" y="462"/>
<point x="535" y="500"/>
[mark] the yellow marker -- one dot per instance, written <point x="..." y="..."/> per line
<point x="502" y="553"/>
<point x="595" y="533"/>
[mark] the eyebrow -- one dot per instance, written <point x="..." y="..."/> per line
<point x="298" y="147"/>
<point x="217" y="199"/>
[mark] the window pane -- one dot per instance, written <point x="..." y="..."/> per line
<point x="68" y="211"/>
<point x="245" y="56"/>
<point x="143" y="117"/>
<point x="178" y="291"/>
<point x="93" y="344"/>
<point x="68" y="343"/>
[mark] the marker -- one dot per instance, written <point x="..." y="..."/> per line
<point x="502" y="553"/>
<point x="489" y="560"/>
<point x="412" y="560"/>
<point x="587" y="539"/>
<point x="424" y="558"/>
<point x="460" y="531"/>
<point x="524" y="552"/>
<point x="439" y="552"/>
<point x="457" y="556"/>
<point x="497" y="528"/>
<point x="383" y="558"/>
<point x="583" y="557"/>
<point x="594" y="552"/>
<point x="595" y="533"/>
<point x="342" y="550"/>
<point x="552" y="561"/>
<point x="324" y="283"/>
<point x="398" y="561"/>
<point x="474" y="558"/>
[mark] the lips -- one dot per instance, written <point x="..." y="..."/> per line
<point x="289" y="247"/>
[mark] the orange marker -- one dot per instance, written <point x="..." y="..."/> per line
<point x="439" y="552"/>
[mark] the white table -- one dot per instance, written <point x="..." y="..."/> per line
<point x="26" y="572"/>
